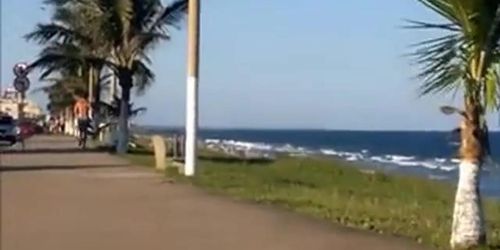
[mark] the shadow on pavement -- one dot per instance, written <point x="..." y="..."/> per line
<point x="49" y="151"/>
<point x="42" y="168"/>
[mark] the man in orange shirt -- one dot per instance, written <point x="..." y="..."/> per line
<point x="81" y="111"/>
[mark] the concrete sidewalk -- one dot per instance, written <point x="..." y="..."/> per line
<point x="55" y="197"/>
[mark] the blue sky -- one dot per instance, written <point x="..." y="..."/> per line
<point x="278" y="64"/>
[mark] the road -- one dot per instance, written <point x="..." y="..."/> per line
<point x="54" y="196"/>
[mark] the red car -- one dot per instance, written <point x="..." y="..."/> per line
<point x="26" y="129"/>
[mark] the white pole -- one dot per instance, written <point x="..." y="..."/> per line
<point x="192" y="88"/>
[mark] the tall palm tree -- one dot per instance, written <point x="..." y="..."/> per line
<point x="123" y="32"/>
<point x="69" y="43"/>
<point x="131" y="29"/>
<point x="465" y="59"/>
<point x="62" y="91"/>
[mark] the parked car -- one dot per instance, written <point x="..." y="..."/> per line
<point x="9" y="132"/>
<point x="26" y="129"/>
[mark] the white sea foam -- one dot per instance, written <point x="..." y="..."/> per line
<point x="440" y="160"/>
<point x="407" y="163"/>
<point x="352" y="158"/>
<point x="256" y="147"/>
<point x="429" y="165"/>
<point x="329" y="152"/>
<point x="349" y="156"/>
<point x="448" y="168"/>
<point x="404" y="161"/>
<point x="240" y="144"/>
<point x="400" y="158"/>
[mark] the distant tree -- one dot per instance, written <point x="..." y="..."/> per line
<point x="117" y="34"/>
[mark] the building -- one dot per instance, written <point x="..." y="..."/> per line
<point x="9" y="103"/>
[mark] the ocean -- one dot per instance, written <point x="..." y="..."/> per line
<point x="428" y="154"/>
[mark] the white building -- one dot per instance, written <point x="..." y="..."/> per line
<point x="9" y="103"/>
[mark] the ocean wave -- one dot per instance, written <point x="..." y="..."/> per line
<point x="411" y="161"/>
<point x="442" y="164"/>
<point x="440" y="160"/>
<point x="240" y="144"/>
<point x="448" y="168"/>
<point x="400" y="157"/>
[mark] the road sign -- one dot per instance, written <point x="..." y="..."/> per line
<point x="21" y="69"/>
<point x="21" y="84"/>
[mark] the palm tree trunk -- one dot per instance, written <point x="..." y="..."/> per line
<point x="468" y="222"/>
<point x="97" y="87"/>
<point x="125" y="77"/>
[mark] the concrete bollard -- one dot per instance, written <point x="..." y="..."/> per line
<point x="159" y="151"/>
<point x="174" y="147"/>
<point x="180" y="167"/>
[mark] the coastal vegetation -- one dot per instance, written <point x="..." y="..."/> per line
<point x="339" y="192"/>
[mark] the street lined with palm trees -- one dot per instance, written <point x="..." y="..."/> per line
<point x="99" y="50"/>
<point x="87" y="37"/>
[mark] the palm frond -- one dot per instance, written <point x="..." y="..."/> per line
<point x="170" y="16"/>
<point x="45" y="33"/>
<point x="442" y="8"/>
<point x="145" y="41"/>
<point x="462" y="58"/>
<point x="143" y="76"/>
<point x="441" y="63"/>
<point x="491" y="91"/>
<point x="145" y="13"/>
<point x="412" y="24"/>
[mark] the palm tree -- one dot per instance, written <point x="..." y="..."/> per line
<point x="466" y="59"/>
<point x="131" y="29"/>
<point x="70" y="45"/>
<point x="62" y="91"/>
<point x="113" y="109"/>
<point x="123" y="32"/>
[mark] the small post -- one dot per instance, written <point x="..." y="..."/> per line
<point x="21" y="106"/>
<point x="174" y="147"/>
<point x="102" y="133"/>
<point x="22" y="116"/>
<point x="182" y="145"/>
<point x="159" y="151"/>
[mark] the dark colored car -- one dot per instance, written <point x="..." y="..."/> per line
<point x="8" y="130"/>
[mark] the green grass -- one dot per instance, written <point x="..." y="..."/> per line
<point x="411" y="207"/>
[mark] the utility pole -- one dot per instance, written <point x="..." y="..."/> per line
<point x="20" y="106"/>
<point x="192" y="87"/>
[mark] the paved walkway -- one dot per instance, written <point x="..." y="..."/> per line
<point x="56" y="197"/>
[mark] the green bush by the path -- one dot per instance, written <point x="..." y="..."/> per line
<point x="405" y="206"/>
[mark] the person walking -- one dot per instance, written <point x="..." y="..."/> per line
<point x="81" y="111"/>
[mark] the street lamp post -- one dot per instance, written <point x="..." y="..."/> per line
<point x="192" y="88"/>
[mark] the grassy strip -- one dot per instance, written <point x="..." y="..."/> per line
<point x="338" y="192"/>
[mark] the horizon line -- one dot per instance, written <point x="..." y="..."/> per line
<point x="310" y="129"/>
